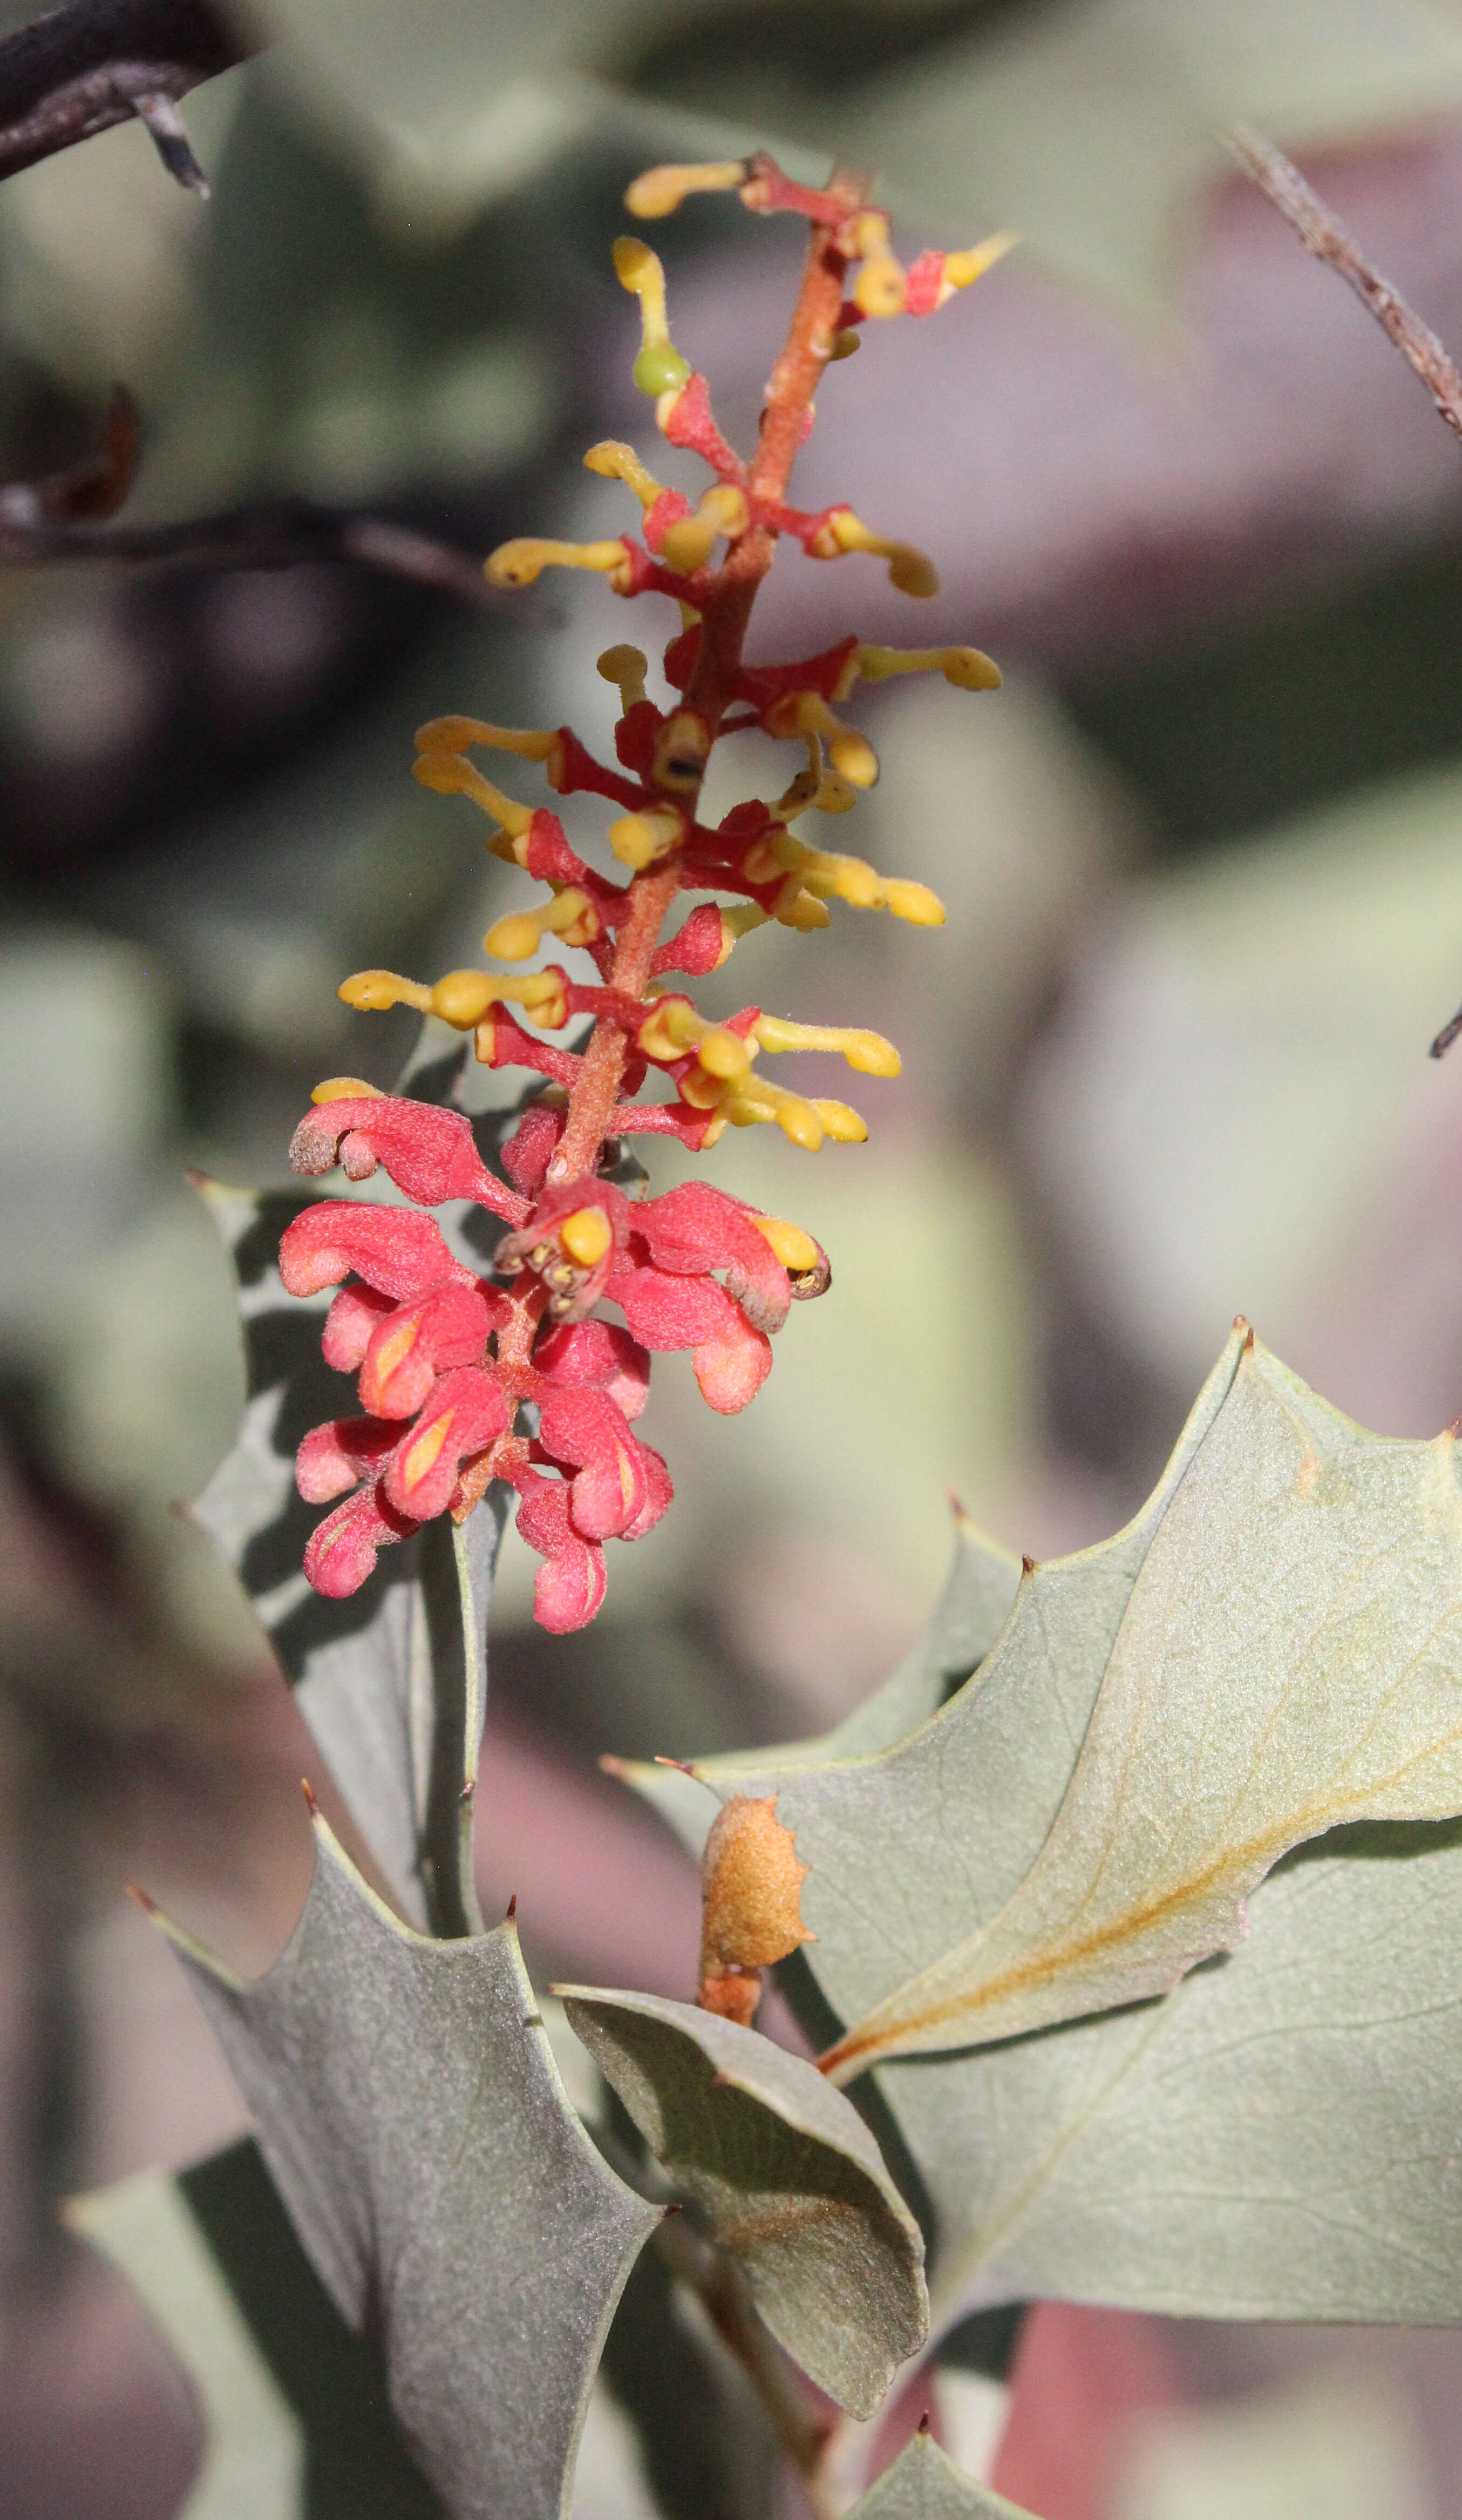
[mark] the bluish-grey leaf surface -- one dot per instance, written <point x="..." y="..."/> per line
<point x="788" y="2178"/>
<point x="924" y="2485"/>
<point x="1290" y="1660"/>
<point x="414" y="2121"/>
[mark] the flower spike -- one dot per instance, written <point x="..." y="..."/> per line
<point x="448" y="1360"/>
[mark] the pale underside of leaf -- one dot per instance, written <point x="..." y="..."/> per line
<point x="1276" y="2139"/>
<point x="1290" y="1660"/>
<point x="414" y="2121"/>
<point x="924" y="2485"/>
<point x="793" y="2189"/>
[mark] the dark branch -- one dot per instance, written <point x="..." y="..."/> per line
<point x="1320" y="230"/>
<point x="78" y="70"/>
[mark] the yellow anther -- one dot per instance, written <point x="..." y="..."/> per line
<point x="617" y="461"/>
<point x="456" y="734"/>
<point x="840" y="1122"/>
<point x="521" y="562"/>
<point x="850" y="753"/>
<point x="671" y="1029"/>
<point x="463" y="998"/>
<point x="626" y="667"/>
<point x="880" y="286"/>
<point x="586" y="1236"/>
<point x="910" y="571"/>
<point x="967" y="668"/>
<point x="867" y="1052"/>
<point x="345" y="1089"/>
<point x="659" y="369"/>
<point x="754" y="1101"/>
<point x="723" y="1054"/>
<point x="961" y="268"/>
<point x="795" y="1249"/>
<point x="914" y="902"/>
<point x="376" y="990"/>
<point x="640" y="270"/>
<point x="723" y="510"/>
<point x="737" y="924"/>
<point x="825" y="873"/>
<point x="449" y="774"/>
<point x="655" y="194"/>
<point x="638" y="839"/>
<point x="800" y="910"/>
<point x="570" y="915"/>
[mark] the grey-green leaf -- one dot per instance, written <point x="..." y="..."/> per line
<point x="389" y="1682"/>
<point x="1274" y="2139"/>
<point x="1290" y="1660"/>
<point x="924" y="2485"/>
<point x="416" y="2126"/>
<point x="787" y="2176"/>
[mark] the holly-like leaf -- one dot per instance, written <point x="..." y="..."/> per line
<point x="924" y="2485"/>
<point x="1290" y="1660"/>
<point x="390" y="1682"/>
<point x="1270" y="2139"/>
<point x="786" y="2175"/>
<point x="416" y="2126"/>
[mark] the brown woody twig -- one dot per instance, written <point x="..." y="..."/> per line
<point x="1322" y="233"/>
<point x="78" y="70"/>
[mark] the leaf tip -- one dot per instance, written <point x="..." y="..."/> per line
<point x="681" y="1765"/>
<point x="1027" y="1566"/>
<point x="141" y="1898"/>
<point x="311" y="1804"/>
<point x="1241" y="1323"/>
<point x="511" y="1918"/>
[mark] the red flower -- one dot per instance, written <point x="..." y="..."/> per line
<point x="445" y="1358"/>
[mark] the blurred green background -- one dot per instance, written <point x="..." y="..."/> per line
<point x="1166" y="1060"/>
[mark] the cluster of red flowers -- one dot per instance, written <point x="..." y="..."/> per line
<point x="446" y="1358"/>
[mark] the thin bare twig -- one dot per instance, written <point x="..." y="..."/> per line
<point x="1320" y="230"/>
<point x="79" y="70"/>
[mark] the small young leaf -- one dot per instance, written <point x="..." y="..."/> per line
<point x="1290" y="1660"/>
<point x="414" y="2121"/>
<point x="789" y="2179"/>
<point x="924" y="2485"/>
